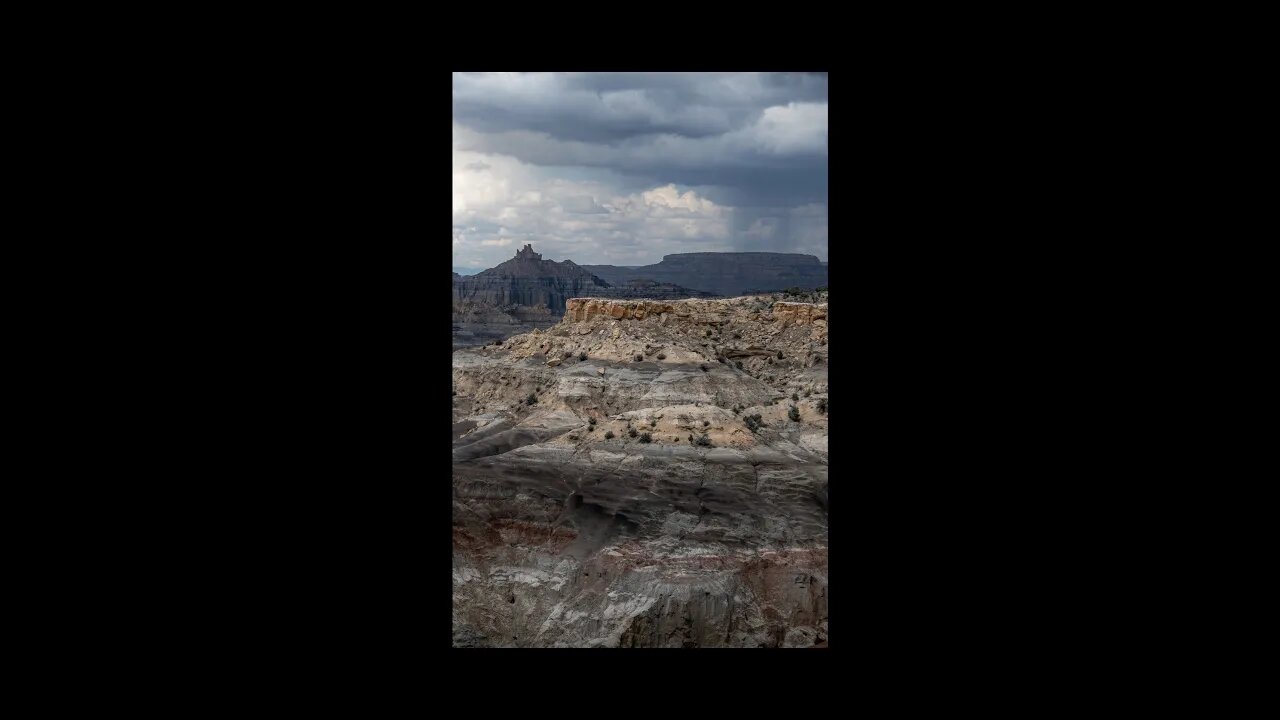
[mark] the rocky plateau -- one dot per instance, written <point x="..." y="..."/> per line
<point x="644" y="473"/>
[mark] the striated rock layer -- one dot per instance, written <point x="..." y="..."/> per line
<point x="660" y="493"/>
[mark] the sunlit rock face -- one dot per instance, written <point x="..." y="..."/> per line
<point x="653" y="494"/>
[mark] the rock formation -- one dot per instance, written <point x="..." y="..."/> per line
<point x="527" y="293"/>
<point x="527" y="280"/>
<point x="661" y="492"/>
<point x="725" y="273"/>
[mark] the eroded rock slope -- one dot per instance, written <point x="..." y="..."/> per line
<point x="661" y="492"/>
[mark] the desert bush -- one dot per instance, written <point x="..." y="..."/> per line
<point x="779" y="354"/>
<point x="608" y="435"/>
<point x="632" y="432"/>
<point x="704" y="367"/>
<point x="705" y="423"/>
<point x="646" y="438"/>
<point x="794" y="413"/>
<point x="737" y="336"/>
<point x="708" y="333"/>
<point x="531" y="400"/>
<point x="795" y="397"/>
<point x="807" y="393"/>
<point x="822" y="406"/>
<point x="704" y="441"/>
<point x="739" y="364"/>
<point x="582" y="356"/>
<point x="662" y="356"/>
<point x="639" y="357"/>
<point x="591" y="428"/>
<point x="591" y="421"/>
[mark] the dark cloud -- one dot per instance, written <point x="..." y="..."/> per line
<point x="601" y="165"/>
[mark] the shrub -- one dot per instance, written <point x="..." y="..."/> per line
<point x="779" y="354"/>
<point x="653" y="423"/>
<point x="662" y="356"/>
<point x="705" y="423"/>
<point x="591" y="421"/>
<point x="531" y="400"/>
<point x="646" y="438"/>
<point x="591" y="428"/>
<point x="807" y="393"/>
<point x="639" y="357"/>
<point x="739" y="364"/>
<point x="737" y="336"/>
<point x="737" y="410"/>
<point x="704" y="367"/>
<point x="721" y="359"/>
<point x="795" y="397"/>
<point x="582" y="356"/>
<point x="632" y="432"/>
<point x="704" y="441"/>
<point x="567" y="353"/>
<point x="794" y="413"/>
<point x="708" y="333"/>
<point x="822" y="406"/>
<point x="608" y="435"/>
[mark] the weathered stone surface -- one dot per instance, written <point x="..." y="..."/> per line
<point x="564" y="537"/>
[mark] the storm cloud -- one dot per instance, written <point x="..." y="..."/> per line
<point x="623" y="168"/>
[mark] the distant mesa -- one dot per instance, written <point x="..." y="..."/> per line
<point x="728" y="274"/>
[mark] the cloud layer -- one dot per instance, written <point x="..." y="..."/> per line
<point x="623" y="168"/>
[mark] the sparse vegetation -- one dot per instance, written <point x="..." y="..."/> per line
<point x="582" y="357"/>
<point x="795" y="397"/>
<point x="753" y="422"/>
<point x="531" y="400"/>
<point x="704" y="367"/>
<point x="794" y="414"/>
<point x="639" y="357"/>
<point x="779" y="354"/>
<point x="662" y="356"/>
<point x="705" y="423"/>
<point x="704" y="441"/>
<point x="591" y="421"/>
<point x="822" y="406"/>
<point x="591" y="428"/>
<point x="739" y="364"/>
<point x="631" y="432"/>
<point x="737" y="410"/>
<point x="807" y="393"/>
<point x="653" y="423"/>
<point x="737" y="336"/>
<point x="708" y="333"/>
<point x="608" y="435"/>
<point x="646" y="438"/>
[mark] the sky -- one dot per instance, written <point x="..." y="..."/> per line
<point x="623" y="168"/>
